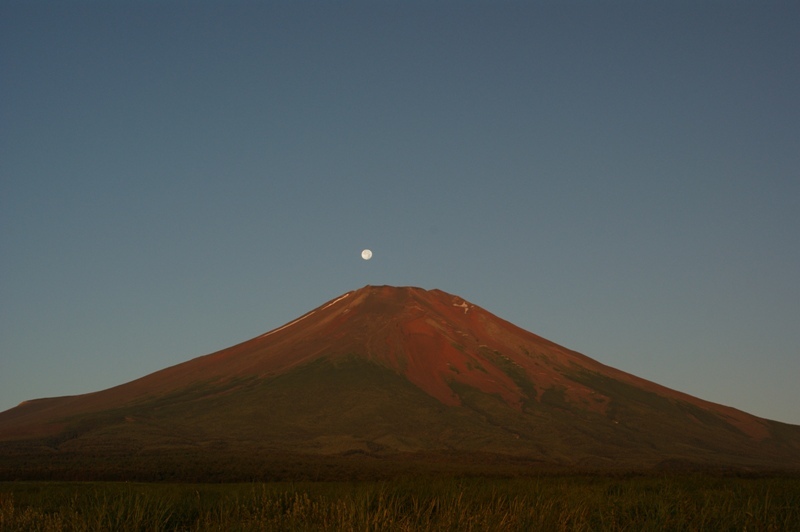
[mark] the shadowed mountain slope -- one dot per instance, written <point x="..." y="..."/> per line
<point x="384" y="371"/>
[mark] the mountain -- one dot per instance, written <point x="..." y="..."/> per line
<point x="386" y="373"/>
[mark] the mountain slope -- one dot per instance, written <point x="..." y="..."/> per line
<point x="385" y="370"/>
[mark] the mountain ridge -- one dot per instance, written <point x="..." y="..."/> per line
<point x="391" y="370"/>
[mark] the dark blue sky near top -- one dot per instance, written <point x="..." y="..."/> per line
<point x="619" y="177"/>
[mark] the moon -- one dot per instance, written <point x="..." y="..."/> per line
<point x="366" y="254"/>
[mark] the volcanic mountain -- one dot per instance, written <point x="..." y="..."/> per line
<point x="385" y="372"/>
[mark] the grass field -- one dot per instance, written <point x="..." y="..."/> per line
<point x="673" y="502"/>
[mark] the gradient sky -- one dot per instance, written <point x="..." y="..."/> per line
<point x="622" y="178"/>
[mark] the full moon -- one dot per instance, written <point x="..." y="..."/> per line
<point x="366" y="254"/>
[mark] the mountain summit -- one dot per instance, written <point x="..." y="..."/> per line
<point x="385" y="371"/>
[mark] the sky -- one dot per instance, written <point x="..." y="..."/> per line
<point x="620" y="177"/>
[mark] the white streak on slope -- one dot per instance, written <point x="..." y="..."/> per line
<point x="303" y="317"/>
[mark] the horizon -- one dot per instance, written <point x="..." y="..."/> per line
<point x="619" y="179"/>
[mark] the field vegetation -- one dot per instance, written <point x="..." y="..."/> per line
<point x="547" y="502"/>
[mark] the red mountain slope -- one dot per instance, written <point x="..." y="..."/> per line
<point x="388" y="356"/>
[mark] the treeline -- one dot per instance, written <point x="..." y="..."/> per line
<point x="189" y="465"/>
<point x="259" y="465"/>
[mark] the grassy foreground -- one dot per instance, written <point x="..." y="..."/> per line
<point x="682" y="502"/>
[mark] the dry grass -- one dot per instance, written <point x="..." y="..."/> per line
<point x="548" y="503"/>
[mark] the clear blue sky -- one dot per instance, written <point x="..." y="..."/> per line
<point x="622" y="178"/>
